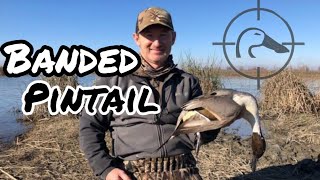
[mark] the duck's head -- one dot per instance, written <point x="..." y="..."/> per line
<point x="258" y="148"/>
<point x="260" y="38"/>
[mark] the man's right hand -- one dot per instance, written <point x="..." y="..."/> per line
<point x="117" y="174"/>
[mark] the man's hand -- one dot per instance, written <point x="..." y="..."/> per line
<point x="117" y="174"/>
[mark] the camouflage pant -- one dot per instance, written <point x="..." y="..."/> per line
<point x="174" y="168"/>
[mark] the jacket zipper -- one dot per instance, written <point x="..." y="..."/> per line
<point x="162" y="152"/>
<point x="163" y="149"/>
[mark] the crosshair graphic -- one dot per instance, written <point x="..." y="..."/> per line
<point x="267" y="42"/>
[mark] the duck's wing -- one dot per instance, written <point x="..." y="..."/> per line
<point x="215" y="107"/>
<point x="223" y="107"/>
<point x="197" y="123"/>
<point x="207" y="113"/>
<point x="188" y="109"/>
<point x="196" y="103"/>
<point x="190" y="112"/>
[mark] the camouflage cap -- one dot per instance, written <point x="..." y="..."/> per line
<point x="153" y="15"/>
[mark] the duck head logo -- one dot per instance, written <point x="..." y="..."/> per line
<point x="262" y="40"/>
<point x="269" y="48"/>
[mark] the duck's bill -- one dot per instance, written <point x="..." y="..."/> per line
<point x="254" y="163"/>
<point x="274" y="45"/>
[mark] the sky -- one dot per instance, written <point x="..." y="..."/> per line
<point x="100" y="23"/>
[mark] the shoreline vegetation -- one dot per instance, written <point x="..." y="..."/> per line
<point x="309" y="74"/>
<point x="288" y="110"/>
<point x="1" y="71"/>
<point x="302" y="71"/>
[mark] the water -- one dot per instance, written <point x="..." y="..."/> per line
<point x="11" y="90"/>
<point x="87" y="80"/>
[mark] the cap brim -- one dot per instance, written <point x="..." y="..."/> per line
<point x="159" y="23"/>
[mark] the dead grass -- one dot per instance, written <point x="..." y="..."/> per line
<point x="292" y="141"/>
<point x="220" y="160"/>
<point x="287" y="93"/>
<point x="317" y="97"/>
<point x="302" y="72"/>
<point x="207" y="72"/>
<point x="305" y="129"/>
<point x="51" y="151"/>
<point x="41" y="111"/>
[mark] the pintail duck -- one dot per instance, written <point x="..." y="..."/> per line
<point x="220" y="109"/>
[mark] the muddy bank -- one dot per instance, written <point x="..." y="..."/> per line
<point x="51" y="151"/>
<point x="293" y="148"/>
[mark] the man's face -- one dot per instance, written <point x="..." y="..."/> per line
<point x="155" y="44"/>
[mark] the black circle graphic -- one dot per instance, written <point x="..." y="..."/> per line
<point x="226" y="54"/>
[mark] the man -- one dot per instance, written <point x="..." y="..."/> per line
<point x="134" y="136"/>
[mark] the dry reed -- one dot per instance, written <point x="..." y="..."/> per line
<point x="286" y="93"/>
<point x="41" y="111"/>
<point x="317" y="97"/>
<point x="49" y="151"/>
<point x="208" y="72"/>
<point x="1" y="71"/>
